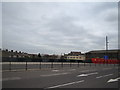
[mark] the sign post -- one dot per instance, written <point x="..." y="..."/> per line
<point x="106" y="58"/>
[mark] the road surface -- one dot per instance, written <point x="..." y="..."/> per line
<point x="100" y="76"/>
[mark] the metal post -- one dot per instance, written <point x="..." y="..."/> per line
<point x="51" y="64"/>
<point x="106" y="48"/>
<point x="26" y="66"/>
<point x="78" y="63"/>
<point x="90" y="64"/>
<point x="70" y="63"/>
<point x="10" y="65"/>
<point x="40" y="65"/>
<point x="84" y="63"/>
<point x="62" y="64"/>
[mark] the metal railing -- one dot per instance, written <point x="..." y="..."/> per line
<point x="11" y="66"/>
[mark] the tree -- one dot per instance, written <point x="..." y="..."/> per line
<point x="11" y="50"/>
<point x="39" y="55"/>
<point x="16" y="52"/>
<point x="33" y="56"/>
<point x="6" y="50"/>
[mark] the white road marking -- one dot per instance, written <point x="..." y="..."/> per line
<point x="53" y="74"/>
<point x="10" y="78"/>
<point x="82" y="75"/>
<point x="104" y="76"/>
<point x="72" y="70"/>
<point x="113" y="80"/>
<point x="107" y="68"/>
<point x="66" y="84"/>
<point x="85" y="71"/>
<point x="88" y="70"/>
<point x="55" y="70"/>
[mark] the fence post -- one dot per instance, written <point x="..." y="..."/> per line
<point x="70" y="63"/>
<point x="78" y="63"/>
<point x="52" y="64"/>
<point x="90" y="64"/>
<point x="26" y="66"/>
<point x="40" y="65"/>
<point x="62" y="64"/>
<point x="9" y="65"/>
<point x="84" y="63"/>
<point x="114" y="64"/>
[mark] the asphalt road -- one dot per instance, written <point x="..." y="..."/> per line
<point x="100" y="76"/>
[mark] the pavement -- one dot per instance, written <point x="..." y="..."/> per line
<point x="100" y="76"/>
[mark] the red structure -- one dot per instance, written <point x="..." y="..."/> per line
<point x="103" y="61"/>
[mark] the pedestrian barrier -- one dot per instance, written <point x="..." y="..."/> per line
<point x="11" y="66"/>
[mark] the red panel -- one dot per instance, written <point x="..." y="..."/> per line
<point x="99" y="60"/>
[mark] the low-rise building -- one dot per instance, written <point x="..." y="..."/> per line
<point x="75" y="56"/>
<point x="47" y="57"/>
<point x="18" y="56"/>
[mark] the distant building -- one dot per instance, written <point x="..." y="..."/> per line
<point x="17" y="56"/>
<point x="112" y="54"/>
<point x="74" y="56"/>
<point x="47" y="57"/>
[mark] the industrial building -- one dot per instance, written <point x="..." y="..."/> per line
<point x="111" y="54"/>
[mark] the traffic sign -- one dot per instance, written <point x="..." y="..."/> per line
<point x="105" y="57"/>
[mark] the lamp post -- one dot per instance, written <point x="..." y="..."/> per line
<point x="106" y="57"/>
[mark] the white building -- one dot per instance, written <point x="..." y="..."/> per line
<point x="75" y="56"/>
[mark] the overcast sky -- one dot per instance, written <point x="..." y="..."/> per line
<point x="55" y="28"/>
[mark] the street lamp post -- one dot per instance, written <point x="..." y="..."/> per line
<point x="106" y="49"/>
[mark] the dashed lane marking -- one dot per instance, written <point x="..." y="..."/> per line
<point x="84" y="75"/>
<point x="88" y="70"/>
<point x="72" y="70"/>
<point x="104" y="76"/>
<point x="10" y="78"/>
<point x="107" y="68"/>
<point x="66" y="84"/>
<point x="55" y="70"/>
<point x="53" y="74"/>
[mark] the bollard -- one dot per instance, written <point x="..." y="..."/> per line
<point x="40" y="65"/>
<point x="51" y="64"/>
<point x="70" y="64"/>
<point x="90" y="64"/>
<point x="62" y="64"/>
<point x="78" y="64"/>
<point x="10" y="66"/>
<point x="26" y="66"/>
<point x="114" y="64"/>
<point x="84" y="63"/>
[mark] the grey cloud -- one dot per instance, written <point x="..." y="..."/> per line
<point x="112" y="17"/>
<point x="57" y="27"/>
